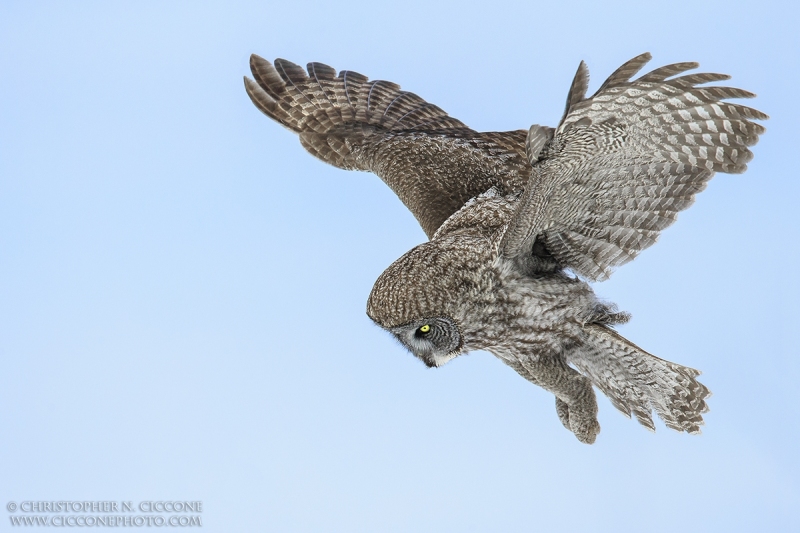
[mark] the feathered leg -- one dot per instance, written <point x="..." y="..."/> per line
<point x="576" y="404"/>
<point x="562" y="410"/>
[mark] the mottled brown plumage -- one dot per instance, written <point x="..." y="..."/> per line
<point x="494" y="276"/>
<point x="433" y="162"/>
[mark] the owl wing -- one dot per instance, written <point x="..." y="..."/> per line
<point x="624" y="162"/>
<point x="432" y="161"/>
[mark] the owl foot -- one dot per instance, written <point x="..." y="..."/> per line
<point x="584" y="428"/>
<point x="579" y="413"/>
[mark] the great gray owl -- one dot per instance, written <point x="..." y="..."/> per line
<point x="520" y="221"/>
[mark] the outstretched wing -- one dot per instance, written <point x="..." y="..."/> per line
<point x="624" y="162"/>
<point x="432" y="161"/>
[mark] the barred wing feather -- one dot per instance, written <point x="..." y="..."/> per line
<point x="625" y="161"/>
<point x="432" y="161"/>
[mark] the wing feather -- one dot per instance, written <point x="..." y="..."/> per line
<point x="432" y="161"/>
<point x="624" y="162"/>
<point x="623" y="74"/>
<point x="577" y="91"/>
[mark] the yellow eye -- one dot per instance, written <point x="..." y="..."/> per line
<point x="425" y="329"/>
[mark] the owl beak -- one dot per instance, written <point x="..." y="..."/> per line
<point x="442" y="359"/>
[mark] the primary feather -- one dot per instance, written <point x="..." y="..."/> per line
<point x="432" y="161"/>
<point x="625" y="161"/>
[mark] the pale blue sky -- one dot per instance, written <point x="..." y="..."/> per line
<point x="182" y="287"/>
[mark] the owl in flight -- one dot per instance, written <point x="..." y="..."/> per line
<point x="520" y="221"/>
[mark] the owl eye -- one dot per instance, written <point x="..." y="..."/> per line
<point x="425" y="329"/>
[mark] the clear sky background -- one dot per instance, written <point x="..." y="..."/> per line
<point x="182" y="286"/>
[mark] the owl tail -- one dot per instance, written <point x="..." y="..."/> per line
<point x="638" y="382"/>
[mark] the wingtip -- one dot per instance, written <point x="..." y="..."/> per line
<point x="578" y="88"/>
<point x="285" y="64"/>
<point x="251" y="86"/>
<point x="255" y="61"/>
<point x="638" y="62"/>
<point x="625" y="72"/>
<point x="263" y="101"/>
<point x="583" y="72"/>
<point x="643" y="58"/>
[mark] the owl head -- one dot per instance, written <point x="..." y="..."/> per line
<point x="426" y="297"/>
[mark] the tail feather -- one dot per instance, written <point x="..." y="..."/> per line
<point x="638" y="383"/>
